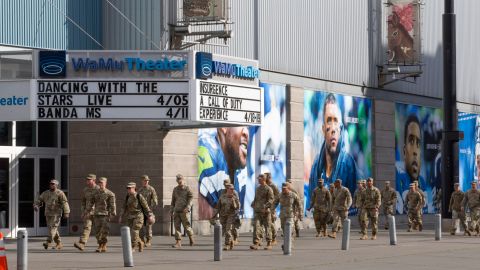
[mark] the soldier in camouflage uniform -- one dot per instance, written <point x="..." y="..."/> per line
<point x="389" y="201"/>
<point x="237" y="223"/>
<point x="357" y="202"/>
<point x="182" y="198"/>
<point x="472" y="200"/>
<point x="135" y="209"/>
<point x="321" y="203"/>
<point x="103" y="206"/>
<point x="424" y="201"/>
<point x="289" y="206"/>
<point x="331" y="190"/>
<point x="273" y="212"/>
<point x="343" y="201"/>
<point x="455" y="207"/>
<point x="227" y="208"/>
<point x="262" y="219"/>
<point x="414" y="204"/>
<point x="55" y="203"/>
<point x="371" y="200"/>
<point x="299" y="217"/>
<point x="149" y="193"/>
<point x="87" y="217"/>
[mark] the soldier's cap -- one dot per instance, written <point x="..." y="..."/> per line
<point x="415" y="182"/>
<point x="179" y="176"/>
<point x="284" y="185"/>
<point x="364" y="181"/>
<point x="267" y="173"/>
<point x="320" y="180"/>
<point x="91" y="176"/>
<point x="387" y="182"/>
<point x="338" y="181"/>
<point x="412" y="185"/>
<point x="145" y="177"/>
<point x="102" y="179"/>
<point x="359" y="181"/>
<point x="456" y="184"/>
<point x="369" y="179"/>
<point x="261" y="176"/>
<point x="131" y="185"/>
<point x="473" y="182"/>
<point x="229" y="186"/>
<point x="289" y="181"/>
<point x="226" y="182"/>
<point x="53" y="181"/>
<point x="331" y="185"/>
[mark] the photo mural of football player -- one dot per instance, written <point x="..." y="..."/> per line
<point x="417" y="153"/>
<point x="469" y="147"/>
<point x="337" y="140"/>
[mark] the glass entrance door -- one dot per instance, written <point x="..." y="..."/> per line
<point x="5" y="196"/>
<point x="34" y="174"/>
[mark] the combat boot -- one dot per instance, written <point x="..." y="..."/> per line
<point x="269" y="245"/>
<point x="374" y="237"/>
<point x="79" y="245"/>
<point x="99" y="249"/>
<point x="177" y="244"/>
<point x="141" y="245"/>
<point x="59" y="245"/>
<point x="409" y="229"/>
<point x="231" y="245"/>
<point x="364" y="237"/>
<point x="235" y="241"/>
<point x="274" y="242"/>
<point x="104" y="247"/>
<point x="332" y="235"/>
<point x="318" y="234"/>
<point x="324" y="233"/>
<point x="192" y="241"/>
<point x="420" y="227"/>
<point x="254" y="246"/>
<point x="297" y="232"/>
<point x="45" y="245"/>
<point x="467" y="232"/>
<point x="148" y="243"/>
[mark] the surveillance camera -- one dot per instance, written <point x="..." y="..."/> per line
<point x="393" y="69"/>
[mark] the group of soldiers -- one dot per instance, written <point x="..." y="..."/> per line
<point x="330" y="206"/>
<point x="98" y="210"/>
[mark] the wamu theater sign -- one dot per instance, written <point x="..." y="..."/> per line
<point x="129" y="63"/>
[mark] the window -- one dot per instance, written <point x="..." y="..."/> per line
<point x="26" y="132"/>
<point x="5" y="133"/>
<point x="47" y="134"/>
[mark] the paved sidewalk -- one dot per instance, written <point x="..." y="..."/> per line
<point x="417" y="250"/>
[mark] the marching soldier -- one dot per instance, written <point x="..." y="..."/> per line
<point x="87" y="216"/>
<point x="472" y="200"/>
<point x="289" y="206"/>
<point x="299" y="217"/>
<point x="275" y="203"/>
<point x="103" y="205"/>
<point x="321" y="203"/>
<point x="55" y="203"/>
<point x="343" y="201"/>
<point x="237" y="223"/>
<point x="357" y="201"/>
<point x="389" y="200"/>
<point x="262" y="218"/>
<point x="331" y="190"/>
<point x="135" y="210"/>
<point x="150" y="195"/>
<point x="182" y="198"/>
<point x="414" y="204"/>
<point x="227" y="208"/>
<point x="422" y="194"/>
<point x="371" y="199"/>
<point x="455" y="207"/>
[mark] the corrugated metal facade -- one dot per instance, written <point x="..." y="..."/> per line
<point x="143" y="32"/>
<point x="43" y="24"/>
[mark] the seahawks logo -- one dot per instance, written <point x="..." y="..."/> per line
<point x="204" y="65"/>
<point x="52" y="63"/>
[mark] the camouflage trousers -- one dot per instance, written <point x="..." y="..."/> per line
<point x="262" y="222"/>
<point x="388" y="210"/>
<point x="474" y="216"/>
<point x="179" y="219"/>
<point x="135" y="225"/>
<point x="87" y="228"/>
<point x="228" y="227"/>
<point x="272" y="226"/>
<point x="52" y="223"/>
<point x="414" y="217"/>
<point x="369" y="215"/>
<point x="102" y="229"/>
<point x="339" y="217"/>
<point x="320" y="217"/>
<point x="359" y="216"/>
<point x="147" y="232"/>
<point x="458" y="215"/>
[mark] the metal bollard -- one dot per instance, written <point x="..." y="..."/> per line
<point x="438" y="227"/>
<point x="22" y="250"/>
<point x="287" y="238"/>
<point x="217" y="242"/>
<point x="346" y="234"/>
<point x="127" y="247"/>
<point x="392" y="230"/>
